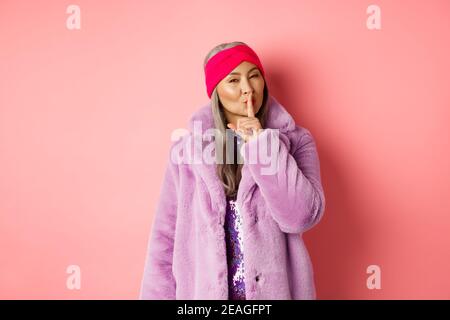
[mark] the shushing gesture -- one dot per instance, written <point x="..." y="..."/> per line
<point x="247" y="127"/>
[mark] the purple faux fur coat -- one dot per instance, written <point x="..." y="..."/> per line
<point x="186" y="253"/>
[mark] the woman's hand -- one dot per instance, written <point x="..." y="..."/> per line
<point x="247" y="127"/>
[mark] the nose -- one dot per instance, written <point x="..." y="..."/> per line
<point x="246" y="88"/>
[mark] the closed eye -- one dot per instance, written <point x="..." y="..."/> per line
<point x="233" y="80"/>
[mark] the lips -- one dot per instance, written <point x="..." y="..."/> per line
<point x="253" y="100"/>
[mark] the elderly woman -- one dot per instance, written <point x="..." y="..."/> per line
<point x="233" y="229"/>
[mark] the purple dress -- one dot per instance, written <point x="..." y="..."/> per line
<point x="235" y="258"/>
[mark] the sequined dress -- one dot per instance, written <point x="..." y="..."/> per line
<point x="235" y="250"/>
<point x="234" y="243"/>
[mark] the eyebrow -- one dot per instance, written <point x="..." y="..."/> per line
<point x="239" y="73"/>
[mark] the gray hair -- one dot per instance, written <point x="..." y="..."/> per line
<point x="230" y="174"/>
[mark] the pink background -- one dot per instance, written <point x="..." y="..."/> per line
<point x="86" y="117"/>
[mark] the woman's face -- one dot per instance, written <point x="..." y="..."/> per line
<point x="234" y="89"/>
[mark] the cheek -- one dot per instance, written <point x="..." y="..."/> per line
<point x="228" y="95"/>
<point x="260" y="85"/>
<point x="229" y="92"/>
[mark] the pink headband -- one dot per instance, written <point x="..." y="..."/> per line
<point x="222" y="63"/>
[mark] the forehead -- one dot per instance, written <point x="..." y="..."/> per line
<point x="243" y="68"/>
